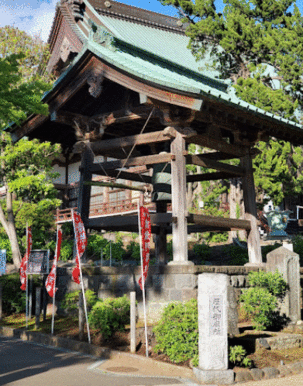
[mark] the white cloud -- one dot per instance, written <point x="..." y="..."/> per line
<point x="33" y="16"/>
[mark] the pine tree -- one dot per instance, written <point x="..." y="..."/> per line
<point x="258" y="44"/>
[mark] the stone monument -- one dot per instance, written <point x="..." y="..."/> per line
<point x="287" y="263"/>
<point x="213" y="324"/>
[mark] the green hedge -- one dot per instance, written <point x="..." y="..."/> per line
<point x="177" y="332"/>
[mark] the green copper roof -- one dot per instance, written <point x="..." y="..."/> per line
<point x="160" y="57"/>
<point x="162" y="74"/>
<point x="165" y="44"/>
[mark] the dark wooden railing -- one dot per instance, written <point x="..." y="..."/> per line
<point x="102" y="209"/>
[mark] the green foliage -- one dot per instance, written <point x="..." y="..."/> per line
<point x="91" y="298"/>
<point x="95" y="242"/>
<point x="116" y="249"/>
<point x="202" y="251"/>
<point x="298" y="247"/>
<point x="22" y="59"/>
<point x="236" y="254"/>
<point x="237" y="356"/>
<point x="66" y="250"/>
<point x="261" y="300"/>
<point x="215" y="237"/>
<point x="13" y="298"/>
<point x="5" y="244"/>
<point x="26" y="172"/>
<point x="277" y="170"/>
<point x="133" y="249"/>
<point x="70" y="302"/>
<point x="177" y="332"/>
<point x="169" y="249"/>
<point x="258" y="46"/>
<point x="110" y="315"/>
<point x="272" y="281"/>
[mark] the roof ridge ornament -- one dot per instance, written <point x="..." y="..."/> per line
<point x="77" y="8"/>
<point x="101" y="35"/>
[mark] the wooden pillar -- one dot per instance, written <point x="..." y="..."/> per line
<point x="161" y="239"/>
<point x="179" y="212"/>
<point x="253" y="237"/>
<point x="87" y="160"/>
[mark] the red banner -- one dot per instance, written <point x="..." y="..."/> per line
<point x="145" y="226"/>
<point x="23" y="266"/>
<point x="50" y="283"/>
<point x="81" y="243"/>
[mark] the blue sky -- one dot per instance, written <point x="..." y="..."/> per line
<point x="36" y="16"/>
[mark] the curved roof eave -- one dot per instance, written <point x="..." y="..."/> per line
<point x="152" y="78"/>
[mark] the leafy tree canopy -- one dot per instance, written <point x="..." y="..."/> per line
<point x="23" y="79"/>
<point x="26" y="166"/>
<point x="258" y="44"/>
<point x="27" y="174"/>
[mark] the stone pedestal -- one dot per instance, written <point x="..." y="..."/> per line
<point x="213" y="323"/>
<point x="287" y="263"/>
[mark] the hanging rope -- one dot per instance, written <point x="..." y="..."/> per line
<point x="132" y="149"/>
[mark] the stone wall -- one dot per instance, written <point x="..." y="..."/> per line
<point x="164" y="284"/>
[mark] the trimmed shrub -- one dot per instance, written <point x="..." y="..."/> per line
<point x="70" y="302"/>
<point x="202" y="251"/>
<point x="177" y="332"/>
<point x="237" y="255"/>
<point x="13" y="298"/>
<point x="261" y="300"/>
<point x="237" y="356"/>
<point x="110" y="315"/>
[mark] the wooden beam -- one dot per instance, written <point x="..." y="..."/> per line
<point x="207" y="163"/>
<point x="209" y="176"/>
<point x="125" y="175"/>
<point x="28" y="126"/>
<point x="69" y="119"/>
<point x="138" y="161"/>
<point x="120" y="116"/>
<point x="123" y="222"/>
<point x="221" y="222"/>
<point x="104" y="146"/>
<point x="116" y="185"/>
<point x="213" y="143"/>
<point x="217" y="155"/>
<point x="123" y="115"/>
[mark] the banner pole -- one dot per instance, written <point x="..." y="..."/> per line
<point x="143" y="283"/>
<point x="54" y="291"/>
<point x="82" y="285"/>
<point x="26" y="297"/>
<point x="84" y="301"/>
<point x="53" y="315"/>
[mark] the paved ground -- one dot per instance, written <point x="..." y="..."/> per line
<point x="27" y="364"/>
<point x="293" y="380"/>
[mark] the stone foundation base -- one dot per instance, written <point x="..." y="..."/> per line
<point x="222" y="377"/>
